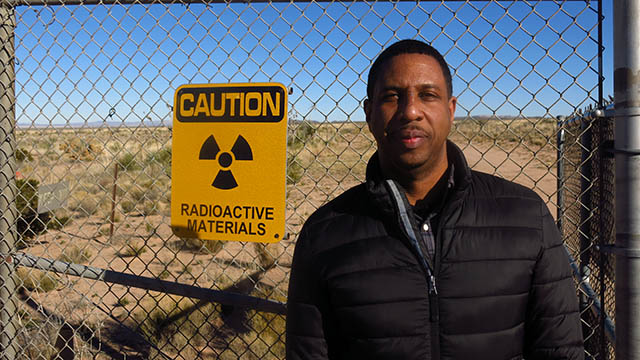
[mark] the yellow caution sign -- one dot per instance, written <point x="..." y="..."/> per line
<point x="228" y="168"/>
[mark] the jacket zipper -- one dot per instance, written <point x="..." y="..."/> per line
<point x="434" y="311"/>
<point x="413" y="238"/>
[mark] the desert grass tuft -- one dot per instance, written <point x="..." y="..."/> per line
<point x="173" y="321"/>
<point x="264" y="253"/>
<point x="78" y="149"/>
<point x="84" y="203"/>
<point x="294" y="170"/>
<point x="161" y="156"/>
<point x="23" y="154"/>
<point x="129" y="162"/>
<point x="301" y="132"/>
<point x="123" y="301"/>
<point x="58" y="222"/>
<point x="267" y="337"/>
<point x="132" y="249"/>
<point x="36" y="342"/>
<point x="164" y="274"/>
<point x="534" y="132"/>
<point x="128" y="206"/>
<point x="76" y="255"/>
<point x="36" y="280"/>
<point x="209" y="247"/>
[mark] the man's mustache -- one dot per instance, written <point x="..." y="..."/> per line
<point x="405" y="131"/>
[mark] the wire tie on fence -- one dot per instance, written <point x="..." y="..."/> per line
<point x="616" y="250"/>
<point x="7" y="258"/>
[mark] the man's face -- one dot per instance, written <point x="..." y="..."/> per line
<point x="410" y="114"/>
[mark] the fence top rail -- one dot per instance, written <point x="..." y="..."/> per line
<point x="608" y="112"/>
<point x="13" y="3"/>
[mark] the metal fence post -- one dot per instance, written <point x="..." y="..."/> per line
<point x="8" y="311"/>
<point x="627" y="156"/>
<point x="560" y="171"/>
<point x="586" y="208"/>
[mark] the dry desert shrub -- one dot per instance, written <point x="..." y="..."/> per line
<point x="29" y="223"/>
<point x="267" y="336"/>
<point x="536" y="132"/>
<point x="132" y="249"/>
<point x="75" y="254"/>
<point x="36" y="280"/>
<point x="171" y="322"/>
<point x="209" y="247"/>
<point x="84" y="203"/>
<point x="184" y="328"/>
<point x="150" y="207"/>
<point x="299" y="133"/>
<point x="129" y="162"/>
<point x="160" y="159"/>
<point x="127" y="206"/>
<point x="294" y="170"/>
<point x="36" y="337"/>
<point x="266" y="254"/>
<point x="43" y="337"/>
<point x="78" y="149"/>
<point x="23" y="154"/>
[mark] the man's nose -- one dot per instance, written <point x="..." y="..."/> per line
<point x="410" y="108"/>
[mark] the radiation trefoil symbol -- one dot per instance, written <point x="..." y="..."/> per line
<point x="240" y="151"/>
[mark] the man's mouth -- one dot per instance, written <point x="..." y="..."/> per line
<point x="409" y="137"/>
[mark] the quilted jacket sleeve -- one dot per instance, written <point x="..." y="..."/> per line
<point x="304" y="330"/>
<point x="553" y="329"/>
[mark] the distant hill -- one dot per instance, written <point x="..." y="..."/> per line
<point x="96" y="124"/>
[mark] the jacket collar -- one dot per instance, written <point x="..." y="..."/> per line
<point x="380" y="196"/>
<point x="462" y="172"/>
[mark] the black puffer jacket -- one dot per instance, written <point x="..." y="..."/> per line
<point x="359" y="287"/>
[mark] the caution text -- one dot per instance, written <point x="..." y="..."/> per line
<point x="230" y="104"/>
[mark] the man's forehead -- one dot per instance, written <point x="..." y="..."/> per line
<point x="416" y="69"/>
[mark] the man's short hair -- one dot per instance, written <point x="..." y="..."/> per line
<point x="407" y="46"/>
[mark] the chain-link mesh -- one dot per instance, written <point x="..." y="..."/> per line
<point x="94" y="95"/>
<point x="587" y="221"/>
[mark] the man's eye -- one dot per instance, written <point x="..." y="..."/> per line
<point x="390" y="97"/>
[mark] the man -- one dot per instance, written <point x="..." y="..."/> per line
<point x="428" y="259"/>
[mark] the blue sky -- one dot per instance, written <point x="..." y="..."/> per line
<point x="77" y="63"/>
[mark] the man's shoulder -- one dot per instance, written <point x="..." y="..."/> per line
<point x="484" y="184"/>
<point x="505" y="202"/>
<point x="348" y="218"/>
<point x="351" y="202"/>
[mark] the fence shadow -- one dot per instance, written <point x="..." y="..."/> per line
<point x="118" y="334"/>
<point x="236" y="317"/>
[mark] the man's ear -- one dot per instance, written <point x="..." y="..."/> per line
<point x="367" y="113"/>
<point x="367" y="109"/>
<point x="453" y="101"/>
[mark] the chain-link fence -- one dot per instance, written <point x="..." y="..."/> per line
<point x="586" y="219"/>
<point x="94" y="86"/>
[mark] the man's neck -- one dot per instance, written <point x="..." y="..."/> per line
<point x="417" y="187"/>
<point x="419" y="181"/>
